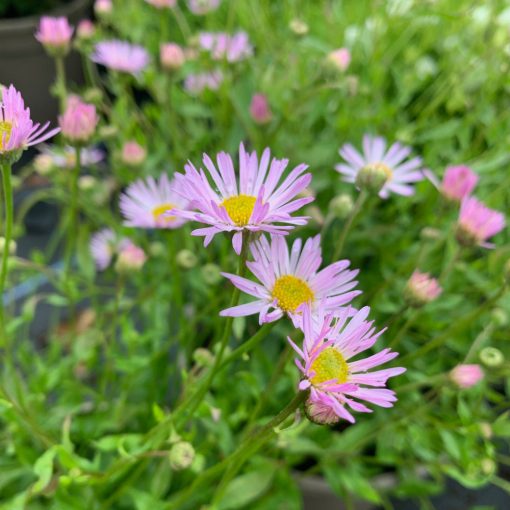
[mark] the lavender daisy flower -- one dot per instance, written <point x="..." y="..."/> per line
<point x="334" y="380"/>
<point x="291" y="279"/>
<point x="257" y="204"/>
<point x="65" y="157"/>
<point x="221" y="46"/>
<point x="17" y="131"/>
<point x="145" y="203"/>
<point x="387" y="168"/>
<point x="197" y="83"/>
<point x="103" y="245"/>
<point x="121" y="56"/>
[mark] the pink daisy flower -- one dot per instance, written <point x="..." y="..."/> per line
<point x="255" y="205"/>
<point x="337" y="383"/>
<point x="55" y="34"/>
<point x="145" y="203"/>
<point x="289" y="279"/>
<point x="399" y="173"/>
<point x="477" y="223"/>
<point x="17" y="131"/>
<point x="422" y="289"/>
<point x="458" y="182"/>
<point x="121" y="56"/>
<point x="221" y="46"/>
<point x="197" y="83"/>
<point x="466" y="375"/>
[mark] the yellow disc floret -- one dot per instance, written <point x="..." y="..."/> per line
<point x="5" y="132"/>
<point x="290" y="292"/>
<point x="329" y="364"/>
<point x="382" y="167"/>
<point x="158" y="213"/>
<point x="239" y="208"/>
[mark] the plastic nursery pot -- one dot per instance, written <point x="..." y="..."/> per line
<point x="25" y="64"/>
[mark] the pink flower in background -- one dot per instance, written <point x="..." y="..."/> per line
<point x="291" y="278"/>
<point x="477" y="223"/>
<point x="133" y="153"/>
<point x="399" y="174"/>
<point x="55" y="34"/>
<point x="79" y="121"/>
<point x="103" y="246"/>
<point x="337" y="383"/>
<point x="259" y="203"/>
<point x="130" y="258"/>
<point x="86" y="29"/>
<point x="200" y="7"/>
<point x="259" y="109"/>
<point x="121" y="56"/>
<point x="422" y="288"/>
<point x="65" y="157"/>
<point x="17" y="131"/>
<point x="171" y="56"/>
<point x="233" y="48"/>
<point x="340" y="58"/>
<point x="162" y="4"/>
<point x="465" y="376"/>
<point x="197" y="83"/>
<point x="103" y="6"/>
<point x="146" y="202"/>
<point x="459" y="182"/>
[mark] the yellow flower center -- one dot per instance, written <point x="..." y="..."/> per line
<point x="5" y="132"/>
<point x="290" y="292"/>
<point x="239" y="208"/>
<point x="381" y="167"/>
<point x="329" y="364"/>
<point x="160" y="210"/>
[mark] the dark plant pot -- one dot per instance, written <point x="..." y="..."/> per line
<point x="25" y="64"/>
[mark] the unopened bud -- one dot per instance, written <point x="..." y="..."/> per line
<point x="203" y="357"/>
<point x="299" y="27"/>
<point x="131" y="258"/>
<point x="373" y="177"/>
<point x="488" y="466"/>
<point x="341" y="206"/>
<point x="43" y="164"/>
<point x="320" y="413"/>
<point x="186" y="259"/>
<point x="133" y="153"/>
<point x="211" y="274"/>
<point x="181" y="455"/>
<point x="465" y="376"/>
<point x="499" y="317"/>
<point x="491" y="357"/>
<point x="421" y="289"/>
<point x="171" y="56"/>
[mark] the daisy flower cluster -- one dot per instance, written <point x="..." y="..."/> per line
<point x="232" y="48"/>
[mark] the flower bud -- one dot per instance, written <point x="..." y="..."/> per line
<point x="485" y="430"/>
<point x="203" y="357"/>
<point x="421" y="289"/>
<point x="339" y="59"/>
<point x="181" y="455"/>
<point x="12" y="246"/>
<point x="186" y="259"/>
<point x="55" y="35"/>
<point x="43" y="164"/>
<point x="298" y="27"/>
<point x="491" y="357"/>
<point x="499" y="317"/>
<point x="133" y="154"/>
<point x="211" y="274"/>
<point x="79" y="121"/>
<point x="373" y="177"/>
<point x="341" y="206"/>
<point x="488" y="466"/>
<point x="259" y="109"/>
<point x="157" y="249"/>
<point x="131" y="258"/>
<point x="85" y="30"/>
<point x="171" y="56"/>
<point x="458" y="182"/>
<point x="466" y="376"/>
<point x="87" y="182"/>
<point x="103" y="7"/>
<point x="320" y="413"/>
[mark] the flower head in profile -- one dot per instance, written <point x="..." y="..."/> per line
<point x="55" y="34"/>
<point x="104" y="244"/>
<point x="380" y="170"/>
<point x="232" y="48"/>
<point x="121" y="56"/>
<point x="466" y="375"/>
<point x="254" y="200"/>
<point x="291" y="278"/>
<point x="477" y="223"/>
<point x="79" y="121"/>
<point x="458" y="182"/>
<point x="17" y="131"/>
<point x="145" y="203"/>
<point x="200" y="7"/>
<point x="197" y="83"/>
<point x="422" y="289"/>
<point x="336" y="382"/>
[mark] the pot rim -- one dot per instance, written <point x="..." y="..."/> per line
<point x="30" y="22"/>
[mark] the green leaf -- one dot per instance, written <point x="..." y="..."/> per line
<point x="247" y="488"/>
<point x="43" y="469"/>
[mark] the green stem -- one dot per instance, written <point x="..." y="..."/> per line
<point x="182" y="22"/>
<point x="197" y="398"/>
<point x="348" y="224"/>
<point x="61" y="87"/>
<point x="9" y="218"/>
<point x="247" y="448"/>
<point x="401" y="332"/>
<point x="73" y="214"/>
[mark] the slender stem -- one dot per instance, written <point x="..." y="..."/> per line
<point x="348" y="223"/>
<point x="182" y="22"/>
<point x="448" y="268"/>
<point x="401" y="332"/>
<point x="247" y="448"/>
<point x="478" y="342"/>
<point x="197" y="398"/>
<point x="9" y="218"/>
<point x="61" y="87"/>
<point x="73" y="213"/>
